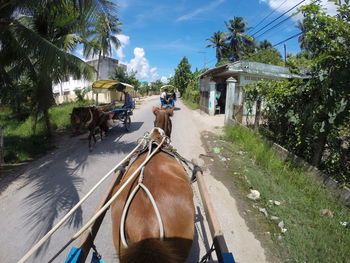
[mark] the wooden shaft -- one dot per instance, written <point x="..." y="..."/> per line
<point x="87" y="239"/>
<point x="213" y="221"/>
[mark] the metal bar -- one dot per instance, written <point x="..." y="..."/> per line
<point x="87" y="239"/>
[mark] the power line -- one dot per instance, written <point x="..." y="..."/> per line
<point x="272" y="12"/>
<point x="296" y="35"/>
<point x="281" y="22"/>
<point x="293" y="24"/>
<point x="279" y="17"/>
<point x="285" y="40"/>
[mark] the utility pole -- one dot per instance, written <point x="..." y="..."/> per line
<point x="205" y="64"/>
<point x="285" y="53"/>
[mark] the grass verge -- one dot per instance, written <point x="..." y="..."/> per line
<point x="21" y="144"/>
<point x="192" y="105"/>
<point x="310" y="237"/>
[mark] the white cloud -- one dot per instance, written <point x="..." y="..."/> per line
<point x="200" y="10"/>
<point x="140" y="64"/>
<point x="283" y="6"/>
<point x="164" y="79"/>
<point x="124" y="41"/>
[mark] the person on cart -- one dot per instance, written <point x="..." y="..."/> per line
<point x="128" y="101"/>
<point x="163" y="98"/>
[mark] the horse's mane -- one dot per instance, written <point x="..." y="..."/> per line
<point x="149" y="250"/>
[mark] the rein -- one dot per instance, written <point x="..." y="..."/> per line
<point x="106" y="206"/>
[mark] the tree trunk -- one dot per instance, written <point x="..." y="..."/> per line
<point x="45" y="99"/>
<point x="47" y="123"/>
<point x="98" y="72"/>
<point x="257" y="114"/>
<point x="318" y="149"/>
<point x="35" y="121"/>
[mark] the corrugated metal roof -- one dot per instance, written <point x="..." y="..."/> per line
<point x="253" y="68"/>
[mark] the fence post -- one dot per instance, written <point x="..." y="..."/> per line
<point x="1" y="147"/>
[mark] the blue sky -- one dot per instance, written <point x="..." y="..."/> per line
<point x="158" y="33"/>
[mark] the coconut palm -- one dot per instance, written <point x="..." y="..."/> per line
<point x="265" y="44"/>
<point x="218" y="41"/>
<point x="239" y="41"/>
<point x="102" y="35"/>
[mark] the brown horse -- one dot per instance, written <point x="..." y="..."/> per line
<point x="91" y="118"/>
<point x="170" y="187"/>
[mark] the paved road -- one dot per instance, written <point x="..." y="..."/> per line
<point x="35" y="202"/>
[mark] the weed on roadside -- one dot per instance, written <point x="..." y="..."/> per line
<point x="305" y="234"/>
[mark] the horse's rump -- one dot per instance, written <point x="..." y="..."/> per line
<point x="168" y="182"/>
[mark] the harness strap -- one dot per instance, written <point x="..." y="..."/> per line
<point x="131" y="197"/>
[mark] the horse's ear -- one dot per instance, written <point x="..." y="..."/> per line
<point x="170" y="111"/>
<point x="155" y="110"/>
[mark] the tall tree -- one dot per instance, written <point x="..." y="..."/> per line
<point x="218" y="41"/>
<point x="182" y="75"/>
<point x="265" y="44"/>
<point x="102" y="35"/>
<point x="59" y="26"/>
<point x="240" y="42"/>
<point x="120" y="74"/>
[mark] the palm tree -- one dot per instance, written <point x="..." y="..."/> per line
<point x="218" y="41"/>
<point x="239" y="41"/>
<point x="265" y="44"/>
<point x="102" y="34"/>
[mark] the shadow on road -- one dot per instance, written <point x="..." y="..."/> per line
<point x="200" y="235"/>
<point x="55" y="184"/>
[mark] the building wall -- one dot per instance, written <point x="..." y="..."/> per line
<point x="204" y="94"/>
<point x="64" y="91"/>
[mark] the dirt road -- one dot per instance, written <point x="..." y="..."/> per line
<point x="43" y="194"/>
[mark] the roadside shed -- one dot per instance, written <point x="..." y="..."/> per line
<point x="221" y="87"/>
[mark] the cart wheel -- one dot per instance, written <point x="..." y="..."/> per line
<point x="127" y="123"/>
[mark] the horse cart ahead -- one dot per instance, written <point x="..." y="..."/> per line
<point x="119" y="113"/>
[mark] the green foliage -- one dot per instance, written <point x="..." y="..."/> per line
<point x="81" y="93"/>
<point x="301" y="197"/>
<point x="267" y="56"/>
<point x="182" y="75"/>
<point x="306" y="116"/>
<point x="300" y="64"/>
<point x="21" y="143"/>
<point x="156" y="85"/>
<point x="191" y="93"/>
<point x="126" y="77"/>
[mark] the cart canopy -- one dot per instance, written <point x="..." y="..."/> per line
<point x="167" y="88"/>
<point x="102" y="86"/>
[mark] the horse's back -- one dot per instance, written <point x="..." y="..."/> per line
<point x="169" y="184"/>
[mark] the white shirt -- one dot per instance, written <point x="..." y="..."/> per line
<point x="163" y="95"/>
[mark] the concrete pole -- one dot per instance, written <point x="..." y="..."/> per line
<point x="211" y="106"/>
<point x="230" y="93"/>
